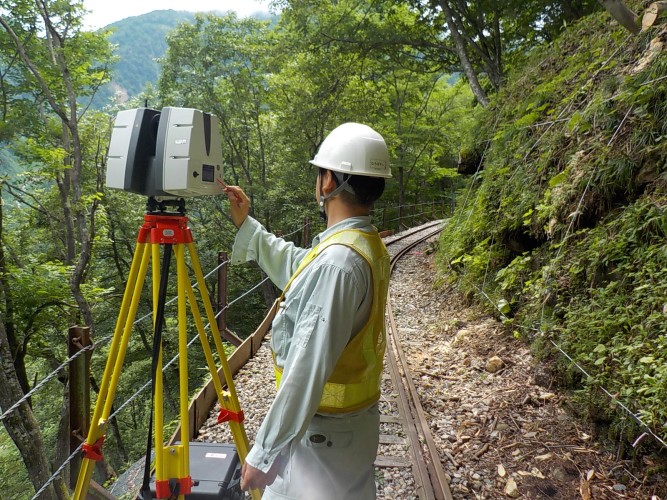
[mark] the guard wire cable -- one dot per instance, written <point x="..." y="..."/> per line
<point x="615" y="400"/>
<point x="103" y="340"/>
<point x="412" y="216"/>
<point x="99" y="343"/>
<point x="57" y="472"/>
<point x="138" y="392"/>
<point x="635" y="417"/>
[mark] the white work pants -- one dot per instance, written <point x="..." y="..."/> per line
<point x="333" y="461"/>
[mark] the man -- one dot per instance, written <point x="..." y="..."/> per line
<point x="319" y="439"/>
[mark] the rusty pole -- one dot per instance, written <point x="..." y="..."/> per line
<point x="79" y="394"/>
<point x="306" y="232"/>
<point x="222" y="301"/>
<point x="222" y="292"/>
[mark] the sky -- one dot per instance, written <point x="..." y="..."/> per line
<point x="104" y="12"/>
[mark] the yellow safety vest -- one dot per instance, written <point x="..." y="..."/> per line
<point x="355" y="381"/>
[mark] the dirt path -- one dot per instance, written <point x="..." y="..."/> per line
<point x="504" y="430"/>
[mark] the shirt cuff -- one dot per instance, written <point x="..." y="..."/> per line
<point x="241" y="246"/>
<point x="260" y="459"/>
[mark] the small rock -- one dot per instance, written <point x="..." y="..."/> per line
<point x="494" y="364"/>
<point x="619" y="487"/>
<point x="511" y="489"/>
<point x="542" y="375"/>
<point x="559" y="474"/>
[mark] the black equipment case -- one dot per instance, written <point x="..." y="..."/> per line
<point x="215" y="469"/>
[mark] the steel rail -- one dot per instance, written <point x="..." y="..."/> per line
<point x="429" y="474"/>
<point x="431" y="477"/>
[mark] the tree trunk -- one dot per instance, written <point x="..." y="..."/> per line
<point x="468" y="70"/>
<point x="401" y="195"/>
<point x="62" y="440"/>
<point x="23" y="427"/>
<point x="622" y="14"/>
<point x="15" y="347"/>
<point x="652" y="13"/>
<point x="269" y="292"/>
<point x="483" y="37"/>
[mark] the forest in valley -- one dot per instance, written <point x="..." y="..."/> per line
<point x="537" y="128"/>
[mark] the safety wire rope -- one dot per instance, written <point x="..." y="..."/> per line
<point x="104" y="340"/>
<point x="147" y="384"/>
<point x="407" y="216"/>
<point x="647" y="431"/>
<point x="99" y="343"/>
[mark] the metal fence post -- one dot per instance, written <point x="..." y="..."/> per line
<point x="306" y="232"/>
<point x="222" y="291"/>
<point x="78" y="338"/>
<point x="222" y="301"/>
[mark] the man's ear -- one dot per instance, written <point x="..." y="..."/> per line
<point x="328" y="182"/>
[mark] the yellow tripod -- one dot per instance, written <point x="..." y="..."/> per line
<point x="172" y="467"/>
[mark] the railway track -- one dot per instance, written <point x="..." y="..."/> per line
<point x="401" y="397"/>
<point x="406" y="443"/>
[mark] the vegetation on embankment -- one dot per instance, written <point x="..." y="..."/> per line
<point x="562" y="230"/>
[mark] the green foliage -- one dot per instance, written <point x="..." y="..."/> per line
<point x="564" y="227"/>
<point x="14" y="479"/>
<point x="615" y="320"/>
<point x="278" y="90"/>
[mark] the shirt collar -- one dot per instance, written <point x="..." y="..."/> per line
<point x="359" y="222"/>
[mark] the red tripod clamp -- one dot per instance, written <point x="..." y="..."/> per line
<point x="173" y="488"/>
<point x="94" y="451"/>
<point x="228" y="415"/>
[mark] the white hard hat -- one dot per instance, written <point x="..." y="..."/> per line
<point x="356" y="149"/>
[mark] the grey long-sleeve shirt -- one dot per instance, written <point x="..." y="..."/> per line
<point x="326" y="305"/>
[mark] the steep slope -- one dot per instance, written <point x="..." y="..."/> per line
<point x="562" y="231"/>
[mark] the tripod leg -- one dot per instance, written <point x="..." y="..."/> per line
<point x="158" y="405"/>
<point x="231" y="402"/>
<point x="214" y="325"/>
<point x="113" y="367"/>
<point x="226" y="400"/>
<point x="183" y="283"/>
<point x="172" y="474"/>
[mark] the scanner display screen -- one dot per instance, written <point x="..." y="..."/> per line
<point x="208" y="173"/>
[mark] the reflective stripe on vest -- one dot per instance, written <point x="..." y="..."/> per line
<point x="355" y="381"/>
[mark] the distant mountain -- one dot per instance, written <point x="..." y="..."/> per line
<point x="141" y="41"/>
<point x="8" y="164"/>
